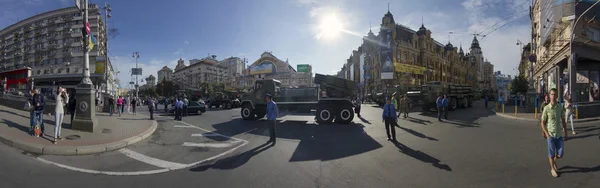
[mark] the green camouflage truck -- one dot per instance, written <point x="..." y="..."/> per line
<point x="460" y="95"/>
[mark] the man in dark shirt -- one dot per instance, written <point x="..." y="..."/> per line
<point x="38" y="102"/>
<point x="72" y="104"/>
<point x="111" y="105"/>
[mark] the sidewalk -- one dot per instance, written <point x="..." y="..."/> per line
<point x="112" y="133"/>
<point x="509" y="112"/>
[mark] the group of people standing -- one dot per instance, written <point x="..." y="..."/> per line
<point x="180" y="108"/>
<point x="121" y="102"/>
<point x="35" y="104"/>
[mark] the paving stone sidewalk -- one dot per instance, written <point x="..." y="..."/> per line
<point x="509" y="112"/>
<point x="112" y="133"/>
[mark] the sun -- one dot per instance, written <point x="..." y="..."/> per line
<point x="330" y="27"/>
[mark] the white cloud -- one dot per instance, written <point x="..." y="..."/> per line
<point x="124" y="64"/>
<point x="186" y="42"/>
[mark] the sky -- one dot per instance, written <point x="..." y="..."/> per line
<point x="164" y="31"/>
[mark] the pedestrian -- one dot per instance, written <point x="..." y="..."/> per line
<point x="151" y="107"/>
<point x="133" y="104"/>
<point x="440" y="106"/>
<point x="357" y="108"/>
<point x="126" y="101"/>
<point x="166" y="104"/>
<point x="38" y="105"/>
<point x="553" y="115"/>
<point x="180" y="106"/>
<point x="111" y="105"/>
<point x="272" y="113"/>
<point x="156" y="104"/>
<point x="405" y="105"/>
<point x="486" y="99"/>
<point x="543" y="105"/>
<point x="569" y="112"/>
<point x="390" y="119"/>
<point x="97" y="102"/>
<point x="395" y="102"/>
<point x="445" y="104"/>
<point x="72" y="105"/>
<point x="61" y="101"/>
<point x="185" y="106"/>
<point x="29" y="106"/>
<point x="120" y="104"/>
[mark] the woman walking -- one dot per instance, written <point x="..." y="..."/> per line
<point x="133" y="104"/>
<point x="61" y="100"/>
<point x="569" y="112"/>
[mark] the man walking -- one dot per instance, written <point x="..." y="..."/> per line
<point x="185" y="106"/>
<point x="445" y="104"/>
<point x="120" y="105"/>
<point x="405" y="105"/>
<point x="440" y="106"/>
<point x="111" y="105"/>
<point x="72" y="104"/>
<point x="272" y="113"/>
<point x="553" y="115"/>
<point x="486" y="99"/>
<point x="389" y="118"/>
<point x="151" y="107"/>
<point x="166" y="105"/>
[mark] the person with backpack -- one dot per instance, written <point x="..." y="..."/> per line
<point x="38" y="103"/>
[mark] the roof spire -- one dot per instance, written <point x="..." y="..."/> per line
<point x="422" y="22"/>
<point x="388" y="7"/>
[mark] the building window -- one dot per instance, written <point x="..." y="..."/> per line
<point x="405" y="56"/>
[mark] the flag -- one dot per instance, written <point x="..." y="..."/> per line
<point x="93" y="38"/>
<point x="90" y="43"/>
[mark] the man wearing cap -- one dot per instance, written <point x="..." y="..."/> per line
<point x="272" y="112"/>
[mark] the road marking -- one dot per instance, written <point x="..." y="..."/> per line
<point x="209" y="145"/>
<point x="207" y="134"/>
<point x="150" y="160"/>
<point x="177" y="166"/>
<point x="182" y="126"/>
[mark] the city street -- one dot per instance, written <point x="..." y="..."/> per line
<point x="217" y="149"/>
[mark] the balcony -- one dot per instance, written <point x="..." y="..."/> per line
<point x="59" y="28"/>
<point x="59" y="21"/>
<point x="77" y="17"/>
<point x="76" y="34"/>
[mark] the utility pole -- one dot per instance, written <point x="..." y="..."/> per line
<point x="136" y="55"/>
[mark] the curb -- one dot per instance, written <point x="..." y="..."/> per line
<point x="77" y="150"/>
<point x="531" y="119"/>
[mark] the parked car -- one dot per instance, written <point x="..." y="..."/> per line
<point x="194" y="107"/>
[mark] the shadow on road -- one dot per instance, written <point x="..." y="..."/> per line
<point x="417" y="134"/>
<point x="364" y="120"/>
<point x="419" y="121"/>
<point x="13" y="113"/>
<point x="572" y="169"/>
<point x="422" y="156"/>
<point x="317" y="142"/>
<point x="233" y="161"/>
<point x="24" y="128"/>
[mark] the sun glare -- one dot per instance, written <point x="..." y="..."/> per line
<point x="330" y="27"/>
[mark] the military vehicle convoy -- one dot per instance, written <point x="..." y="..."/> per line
<point x="331" y="100"/>
<point x="459" y="95"/>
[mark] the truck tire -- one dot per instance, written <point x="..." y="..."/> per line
<point x="470" y="102"/>
<point x="453" y="104"/>
<point x="465" y="102"/>
<point x="247" y="112"/>
<point x="228" y="105"/>
<point x="345" y="116"/>
<point x="324" y="116"/>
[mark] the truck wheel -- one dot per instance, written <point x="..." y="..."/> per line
<point x="229" y="105"/>
<point x="247" y="112"/>
<point x="345" y="116"/>
<point x="324" y="116"/>
<point x="470" y="102"/>
<point x="453" y="104"/>
<point x="465" y="102"/>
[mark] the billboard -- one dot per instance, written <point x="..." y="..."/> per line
<point x="351" y="72"/>
<point x="100" y="67"/>
<point x="265" y="68"/>
<point x="362" y="67"/>
<point x="552" y="13"/>
<point x="136" y="71"/>
<point x="387" y="66"/>
<point x="302" y="67"/>
<point x="407" y="68"/>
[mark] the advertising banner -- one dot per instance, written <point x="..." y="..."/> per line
<point x="136" y="71"/>
<point x="387" y="67"/>
<point x="100" y="67"/>
<point x="266" y="68"/>
<point x="302" y="68"/>
<point x="407" y="68"/>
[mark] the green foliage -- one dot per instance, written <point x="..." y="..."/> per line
<point x="519" y="85"/>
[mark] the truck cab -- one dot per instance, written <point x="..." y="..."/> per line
<point x="254" y="102"/>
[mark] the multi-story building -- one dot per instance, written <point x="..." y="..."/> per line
<point x="165" y="74"/>
<point x="207" y="70"/>
<point x="488" y="76"/>
<point x="269" y="66"/>
<point x="235" y="68"/>
<point x="150" y="81"/>
<point x="524" y="62"/>
<point x="51" y="43"/>
<point x="553" y="25"/>
<point x="400" y="56"/>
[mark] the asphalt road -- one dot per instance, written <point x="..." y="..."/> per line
<point x="217" y="149"/>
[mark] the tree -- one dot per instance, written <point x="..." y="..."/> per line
<point x="519" y="85"/>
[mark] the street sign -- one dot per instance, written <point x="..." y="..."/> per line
<point x="302" y="67"/>
<point x="136" y="71"/>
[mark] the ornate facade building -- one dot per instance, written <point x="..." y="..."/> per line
<point x="400" y="56"/>
<point x="269" y="66"/>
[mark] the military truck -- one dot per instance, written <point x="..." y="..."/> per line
<point x="331" y="100"/>
<point x="459" y="95"/>
<point x="220" y="99"/>
<point x="413" y="93"/>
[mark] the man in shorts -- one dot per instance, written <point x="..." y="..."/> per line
<point x="553" y="116"/>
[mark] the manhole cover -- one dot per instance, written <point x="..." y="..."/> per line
<point x="73" y="137"/>
<point x="107" y="131"/>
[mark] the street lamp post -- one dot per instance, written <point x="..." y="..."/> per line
<point x="136" y="55"/>
<point x="85" y="119"/>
